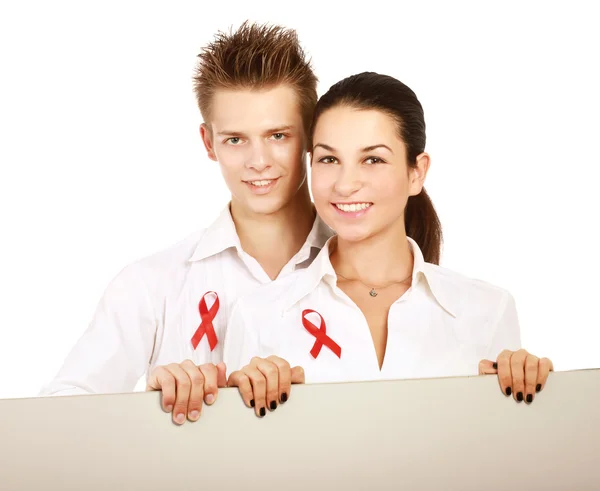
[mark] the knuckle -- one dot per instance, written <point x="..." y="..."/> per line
<point x="184" y="382"/>
<point x="196" y="377"/>
<point x="269" y="369"/>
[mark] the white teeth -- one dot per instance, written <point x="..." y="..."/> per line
<point x="353" y="207"/>
<point x="261" y="183"/>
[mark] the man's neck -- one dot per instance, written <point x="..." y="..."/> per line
<point x="274" y="239"/>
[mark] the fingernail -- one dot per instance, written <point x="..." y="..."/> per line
<point x="508" y="391"/>
<point x="180" y="418"/>
<point x="210" y="399"/>
<point x="529" y="398"/>
<point x="495" y="365"/>
<point x="262" y="412"/>
<point x="273" y="405"/>
<point x="519" y="396"/>
<point x="283" y="397"/>
<point x="194" y="415"/>
<point x="252" y="402"/>
<point x="538" y="387"/>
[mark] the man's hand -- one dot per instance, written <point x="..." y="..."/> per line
<point x="186" y="386"/>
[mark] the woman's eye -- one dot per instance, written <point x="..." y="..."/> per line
<point x="373" y="160"/>
<point x="327" y="160"/>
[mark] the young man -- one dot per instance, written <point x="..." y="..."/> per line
<point x="165" y="315"/>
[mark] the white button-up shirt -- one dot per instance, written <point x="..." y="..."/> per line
<point x="151" y="310"/>
<point x="442" y="326"/>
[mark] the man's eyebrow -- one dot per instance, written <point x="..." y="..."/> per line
<point x="280" y="128"/>
<point x="275" y="129"/>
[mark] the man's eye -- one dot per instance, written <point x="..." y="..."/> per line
<point x="233" y="140"/>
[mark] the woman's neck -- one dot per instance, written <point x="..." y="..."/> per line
<point x="377" y="261"/>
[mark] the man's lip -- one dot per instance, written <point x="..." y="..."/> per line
<point x="262" y="179"/>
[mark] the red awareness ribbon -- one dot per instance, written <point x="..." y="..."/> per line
<point x="320" y="333"/>
<point x="206" y="325"/>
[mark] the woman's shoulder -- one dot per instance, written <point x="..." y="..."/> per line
<point x="464" y="285"/>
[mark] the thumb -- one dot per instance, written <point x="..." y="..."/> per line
<point x="488" y="367"/>
<point x="297" y="375"/>
<point x="221" y="375"/>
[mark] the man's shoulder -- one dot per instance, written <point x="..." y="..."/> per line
<point x="166" y="262"/>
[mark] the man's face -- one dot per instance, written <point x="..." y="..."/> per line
<point x="258" y="138"/>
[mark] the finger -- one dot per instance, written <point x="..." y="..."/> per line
<point x="240" y="380"/>
<point x="196" y="391"/>
<point x="504" y="372"/>
<point x="271" y="374"/>
<point x="259" y="389"/>
<point x="183" y="387"/>
<point x="297" y="375"/>
<point x="517" y="366"/>
<point x="161" y="379"/>
<point x="210" y="373"/>
<point x="221" y="375"/>
<point x="545" y="366"/>
<point x="285" y="378"/>
<point x="488" y="367"/>
<point x="531" y="376"/>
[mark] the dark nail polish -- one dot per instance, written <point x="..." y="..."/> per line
<point x="262" y="412"/>
<point x="529" y="398"/>
<point x="538" y="387"/>
<point x="519" y="396"/>
<point x="273" y="405"/>
<point x="495" y="365"/>
<point x="283" y="397"/>
<point x="508" y="391"/>
<point x="252" y="402"/>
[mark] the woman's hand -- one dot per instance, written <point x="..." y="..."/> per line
<point x="266" y="382"/>
<point x="520" y="373"/>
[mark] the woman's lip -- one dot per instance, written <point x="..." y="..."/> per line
<point x="351" y="214"/>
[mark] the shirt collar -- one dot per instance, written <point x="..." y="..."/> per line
<point x="222" y="235"/>
<point x="322" y="270"/>
<point x="444" y="294"/>
<point x="219" y="236"/>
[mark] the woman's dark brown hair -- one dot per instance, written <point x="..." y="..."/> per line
<point x="370" y="90"/>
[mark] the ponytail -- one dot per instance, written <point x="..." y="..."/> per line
<point x="423" y="226"/>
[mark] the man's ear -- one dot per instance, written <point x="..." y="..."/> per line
<point x="207" y="139"/>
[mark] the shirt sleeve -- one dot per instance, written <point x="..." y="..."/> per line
<point x="241" y="341"/>
<point x="115" y="350"/>
<point x="507" y="332"/>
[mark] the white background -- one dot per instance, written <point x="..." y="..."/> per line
<point x="101" y="160"/>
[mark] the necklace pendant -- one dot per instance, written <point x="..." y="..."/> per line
<point x="373" y="293"/>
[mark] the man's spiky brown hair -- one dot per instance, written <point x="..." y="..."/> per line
<point x="255" y="56"/>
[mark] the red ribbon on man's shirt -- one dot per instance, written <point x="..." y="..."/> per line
<point x="206" y="325"/>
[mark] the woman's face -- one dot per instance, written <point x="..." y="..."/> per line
<point x="360" y="179"/>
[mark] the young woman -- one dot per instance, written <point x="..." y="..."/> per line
<point x="374" y="304"/>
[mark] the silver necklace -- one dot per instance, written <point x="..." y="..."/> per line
<point x="374" y="293"/>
